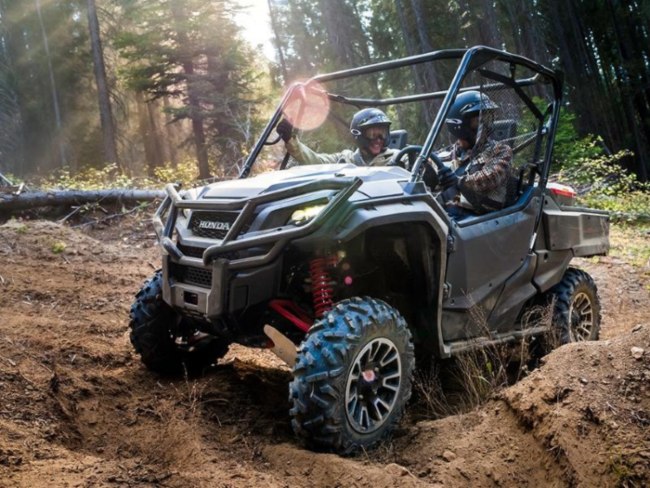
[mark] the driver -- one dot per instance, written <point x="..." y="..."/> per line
<point x="370" y="128"/>
<point x="479" y="167"/>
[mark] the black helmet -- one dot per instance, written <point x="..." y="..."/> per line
<point x="467" y="105"/>
<point x="366" y="118"/>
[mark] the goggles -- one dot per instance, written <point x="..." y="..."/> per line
<point x="375" y="133"/>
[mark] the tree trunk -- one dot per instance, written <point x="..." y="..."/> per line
<point x="411" y="49"/>
<point x="193" y="99"/>
<point x="278" y="44"/>
<point x="338" y="32"/>
<point x="105" y="112"/>
<point x="488" y="25"/>
<point x="156" y="136"/>
<point x="364" y="41"/>
<point x="531" y="31"/>
<point x="11" y="119"/>
<point x="149" y="140"/>
<point x="345" y="33"/>
<point x="634" y="111"/>
<point x="25" y="201"/>
<point x="171" y="136"/>
<point x="430" y="78"/>
<point x="55" y="95"/>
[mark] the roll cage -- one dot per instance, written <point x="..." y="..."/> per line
<point x="469" y="60"/>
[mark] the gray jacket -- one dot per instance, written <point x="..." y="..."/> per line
<point x="304" y="155"/>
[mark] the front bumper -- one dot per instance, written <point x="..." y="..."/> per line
<point x="196" y="299"/>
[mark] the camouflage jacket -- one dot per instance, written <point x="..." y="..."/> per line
<point x="484" y="173"/>
<point x="304" y="155"/>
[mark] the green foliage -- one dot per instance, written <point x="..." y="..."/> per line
<point x="58" y="247"/>
<point x="570" y="149"/>
<point x="600" y="179"/>
<point x="88" y="179"/>
<point x="185" y="173"/>
<point x="603" y="183"/>
<point x="110" y="177"/>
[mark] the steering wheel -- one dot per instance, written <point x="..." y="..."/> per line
<point x="429" y="175"/>
<point x="409" y="151"/>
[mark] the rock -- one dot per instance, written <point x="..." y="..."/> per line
<point x="397" y="470"/>
<point x="584" y="381"/>
<point x="637" y="328"/>
<point x="637" y="352"/>
<point x="448" y="456"/>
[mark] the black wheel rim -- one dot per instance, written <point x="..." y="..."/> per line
<point x="582" y="317"/>
<point x="373" y="385"/>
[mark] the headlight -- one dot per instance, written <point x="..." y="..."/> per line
<point x="304" y="215"/>
<point x="190" y="194"/>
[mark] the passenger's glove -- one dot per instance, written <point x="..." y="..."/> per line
<point x="285" y="130"/>
<point x="447" y="178"/>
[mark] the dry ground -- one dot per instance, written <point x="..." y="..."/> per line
<point x="78" y="409"/>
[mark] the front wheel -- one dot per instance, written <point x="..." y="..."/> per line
<point x="352" y="377"/>
<point x="165" y="342"/>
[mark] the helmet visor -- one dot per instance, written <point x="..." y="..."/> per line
<point x="376" y="132"/>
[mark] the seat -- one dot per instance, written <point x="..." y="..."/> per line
<point x="504" y="130"/>
<point x="397" y="139"/>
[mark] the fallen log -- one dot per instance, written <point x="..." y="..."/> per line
<point x="10" y="202"/>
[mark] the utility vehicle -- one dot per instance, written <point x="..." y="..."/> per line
<point x="350" y="272"/>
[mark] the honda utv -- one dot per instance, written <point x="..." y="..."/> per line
<point x="350" y="272"/>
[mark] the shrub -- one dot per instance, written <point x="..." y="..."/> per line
<point x="603" y="183"/>
<point x="110" y="177"/>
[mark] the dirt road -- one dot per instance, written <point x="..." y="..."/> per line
<point x="77" y="408"/>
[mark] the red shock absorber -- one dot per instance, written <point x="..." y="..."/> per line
<point x="321" y="284"/>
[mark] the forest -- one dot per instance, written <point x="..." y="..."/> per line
<point x="103" y="104"/>
<point x="150" y="88"/>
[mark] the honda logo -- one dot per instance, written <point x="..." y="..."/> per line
<point x="214" y="225"/>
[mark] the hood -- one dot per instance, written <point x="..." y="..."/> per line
<point x="377" y="181"/>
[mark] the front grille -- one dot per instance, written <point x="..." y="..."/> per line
<point x="192" y="275"/>
<point x="193" y="252"/>
<point x="213" y="225"/>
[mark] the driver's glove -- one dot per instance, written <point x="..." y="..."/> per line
<point x="448" y="178"/>
<point x="429" y="175"/>
<point x="285" y="130"/>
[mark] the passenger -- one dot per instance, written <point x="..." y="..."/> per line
<point x="370" y="128"/>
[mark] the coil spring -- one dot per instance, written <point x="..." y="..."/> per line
<point x="321" y="284"/>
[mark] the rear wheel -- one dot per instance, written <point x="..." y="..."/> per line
<point x="352" y="377"/>
<point x="576" y="313"/>
<point x="166" y="343"/>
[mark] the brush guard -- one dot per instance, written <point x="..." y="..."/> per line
<point x="233" y="241"/>
<point x="223" y="258"/>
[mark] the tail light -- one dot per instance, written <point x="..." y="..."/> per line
<point x="563" y="194"/>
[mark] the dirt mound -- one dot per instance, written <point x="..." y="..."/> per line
<point x="590" y="407"/>
<point x="78" y="408"/>
<point x="581" y="419"/>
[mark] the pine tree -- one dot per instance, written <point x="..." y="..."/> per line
<point x="105" y="110"/>
<point x="190" y="51"/>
